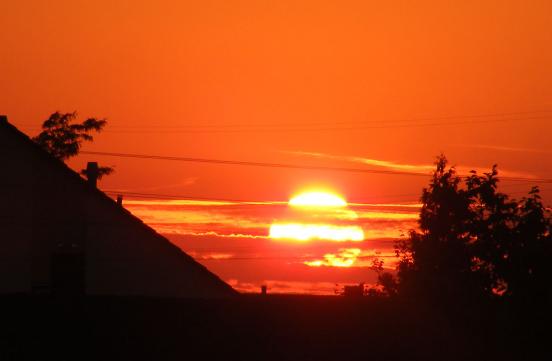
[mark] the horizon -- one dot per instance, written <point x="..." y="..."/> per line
<point x="235" y="109"/>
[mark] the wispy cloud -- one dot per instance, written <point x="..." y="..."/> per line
<point x="405" y="167"/>
<point x="239" y="220"/>
<point x="196" y="202"/>
<point x="353" y="257"/>
<point x="210" y="255"/>
<point x="235" y="220"/>
<point x="178" y="216"/>
<point x="345" y="258"/>
<point x="184" y="231"/>
<point x="417" y="168"/>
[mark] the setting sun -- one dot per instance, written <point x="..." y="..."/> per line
<point x="317" y="199"/>
<point x="320" y="213"/>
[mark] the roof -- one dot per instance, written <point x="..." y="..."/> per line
<point x="75" y="178"/>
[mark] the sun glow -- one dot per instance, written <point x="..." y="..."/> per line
<point x="307" y="232"/>
<point x="345" y="258"/>
<point x="318" y="211"/>
<point x="317" y="199"/>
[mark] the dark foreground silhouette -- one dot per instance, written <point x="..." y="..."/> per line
<point x="267" y="328"/>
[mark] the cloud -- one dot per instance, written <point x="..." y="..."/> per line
<point x="353" y="257"/>
<point x="306" y="232"/>
<point x="416" y="168"/>
<point x="210" y="255"/>
<point x="405" y="167"/>
<point x="345" y="258"/>
<point x="236" y="220"/>
<point x="178" y="230"/>
<point x="197" y="202"/>
<point x="232" y="240"/>
<point x="207" y="218"/>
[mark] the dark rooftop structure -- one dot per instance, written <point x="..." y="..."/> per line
<point x="60" y="234"/>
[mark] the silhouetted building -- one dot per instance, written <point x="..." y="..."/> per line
<point x="60" y="234"/>
<point x="354" y="291"/>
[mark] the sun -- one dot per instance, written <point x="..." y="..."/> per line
<point x="318" y="216"/>
<point x="317" y="199"/>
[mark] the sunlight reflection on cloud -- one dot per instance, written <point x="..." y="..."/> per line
<point x="307" y="232"/>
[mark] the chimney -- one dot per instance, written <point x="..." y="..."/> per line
<point x="92" y="173"/>
<point x="120" y="199"/>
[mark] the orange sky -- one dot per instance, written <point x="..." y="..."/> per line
<point x="303" y="82"/>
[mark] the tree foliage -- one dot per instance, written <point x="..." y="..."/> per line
<point x="386" y="283"/>
<point x="62" y="137"/>
<point x="474" y="241"/>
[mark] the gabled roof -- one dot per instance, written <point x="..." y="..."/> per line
<point x="76" y="179"/>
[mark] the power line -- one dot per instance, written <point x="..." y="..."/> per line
<point x="236" y="201"/>
<point x="361" y="122"/>
<point x="382" y="122"/>
<point x="302" y="128"/>
<point x="241" y="202"/>
<point x="253" y="164"/>
<point x="289" y="166"/>
<point x="190" y="198"/>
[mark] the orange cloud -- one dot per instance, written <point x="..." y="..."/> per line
<point x="306" y="232"/>
<point x="345" y="258"/>
<point x="210" y="255"/>
<point x="414" y="168"/>
<point x="237" y="220"/>
<point x="352" y="257"/>
<point x="418" y="168"/>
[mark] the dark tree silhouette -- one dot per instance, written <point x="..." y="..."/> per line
<point x="386" y="280"/>
<point x="475" y="242"/>
<point x="62" y="137"/>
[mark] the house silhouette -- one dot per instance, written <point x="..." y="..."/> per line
<point x="60" y="234"/>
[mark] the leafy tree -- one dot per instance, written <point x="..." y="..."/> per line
<point x="62" y="137"/>
<point x="386" y="281"/>
<point x="474" y="241"/>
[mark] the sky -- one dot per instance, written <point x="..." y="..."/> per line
<point x="376" y="85"/>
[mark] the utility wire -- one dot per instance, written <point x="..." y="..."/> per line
<point x="254" y="164"/>
<point x="302" y="128"/>
<point x="383" y="123"/>
<point x="241" y="202"/>
<point x="237" y="201"/>
<point x="290" y="166"/>
<point x="190" y="198"/>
